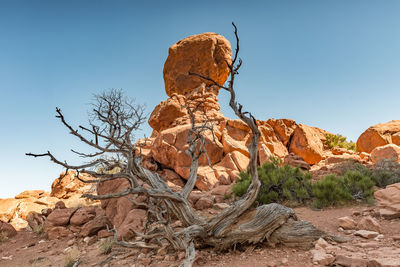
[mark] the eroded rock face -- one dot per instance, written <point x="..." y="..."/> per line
<point x="206" y="54"/>
<point x="379" y="135"/>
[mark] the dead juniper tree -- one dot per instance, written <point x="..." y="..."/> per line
<point x="113" y="122"/>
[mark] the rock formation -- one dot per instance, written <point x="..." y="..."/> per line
<point x="207" y="54"/>
<point x="66" y="187"/>
<point x="379" y="135"/>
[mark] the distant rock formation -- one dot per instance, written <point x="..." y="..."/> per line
<point x="66" y="188"/>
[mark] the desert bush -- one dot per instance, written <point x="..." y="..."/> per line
<point x="38" y="229"/>
<point x="289" y="185"/>
<point x="71" y="258"/>
<point x="3" y="237"/>
<point x="330" y="191"/>
<point x="386" y="172"/>
<point x="282" y="184"/>
<point x="106" y="245"/>
<point x="337" y="140"/>
<point x="335" y="190"/>
<point x="359" y="185"/>
<point x="382" y="173"/>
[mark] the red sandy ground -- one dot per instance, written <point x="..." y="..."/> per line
<point x="27" y="249"/>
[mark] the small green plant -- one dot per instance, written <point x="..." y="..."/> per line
<point x="38" y="229"/>
<point x="337" y="140"/>
<point x="227" y="196"/>
<point x="282" y="184"/>
<point x="3" y="237"/>
<point x="106" y="245"/>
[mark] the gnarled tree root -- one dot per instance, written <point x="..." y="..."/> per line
<point x="274" y="224"/>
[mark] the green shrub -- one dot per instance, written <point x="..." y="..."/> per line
<point x="337" y="140"/>
<point x="330" y="191"/>
<point x="334" y="190"/>
<point x="282" y="184"/>
<point x="290" y="186"/>
<point x="360" y="186"/>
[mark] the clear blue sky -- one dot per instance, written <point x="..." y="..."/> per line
<point x="330" y="64"/>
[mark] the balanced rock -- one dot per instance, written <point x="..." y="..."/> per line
<point x="206" y="54"/>
<point x="379" y="135"/>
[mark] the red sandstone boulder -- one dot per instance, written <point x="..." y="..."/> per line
<point x="60" y="217"/>
<point x="94" y="225"/>
<point x="396" y="138"/>
<point x="8" y="229"/>
<point x="379" y="135"/>
<point x="116" y="209"/>
<point x="35" y="219"/>
<point x="388" y="152"/>
<point x="296" y="161"/>
<point x="307" y="142"/>
<point x="173" y="111"/>
<point x="83" y="215"/>
<point x="170" y="145"/>
<point x="205" y="54"/>
<point x="134" y="221"/>
<point x="283" y="128"/>
<point x="8" y="208"/>
<point x="58" y="232"/>
<point x="388" y="200"/>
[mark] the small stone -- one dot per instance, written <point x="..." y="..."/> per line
<point x="321" y="257"/>
<point x="356" y="213"/>
<point x="340" y="229"/>
<point x="71" y="242"/>
<point x="366" y="234"/>
<point x="181" y="255"/>
<point x="204" y="203"/>
<point x="67" y="250"/>
<point x="285" y="261"/>
<point x="169" y="258"/>
<point x="162" y="251"/>
<point x="370" y="224"/>
<point x="321" y="243"/>
<point x="347" y="223"/>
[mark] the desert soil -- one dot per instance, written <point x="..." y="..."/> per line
<point x="28" y="249"/>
